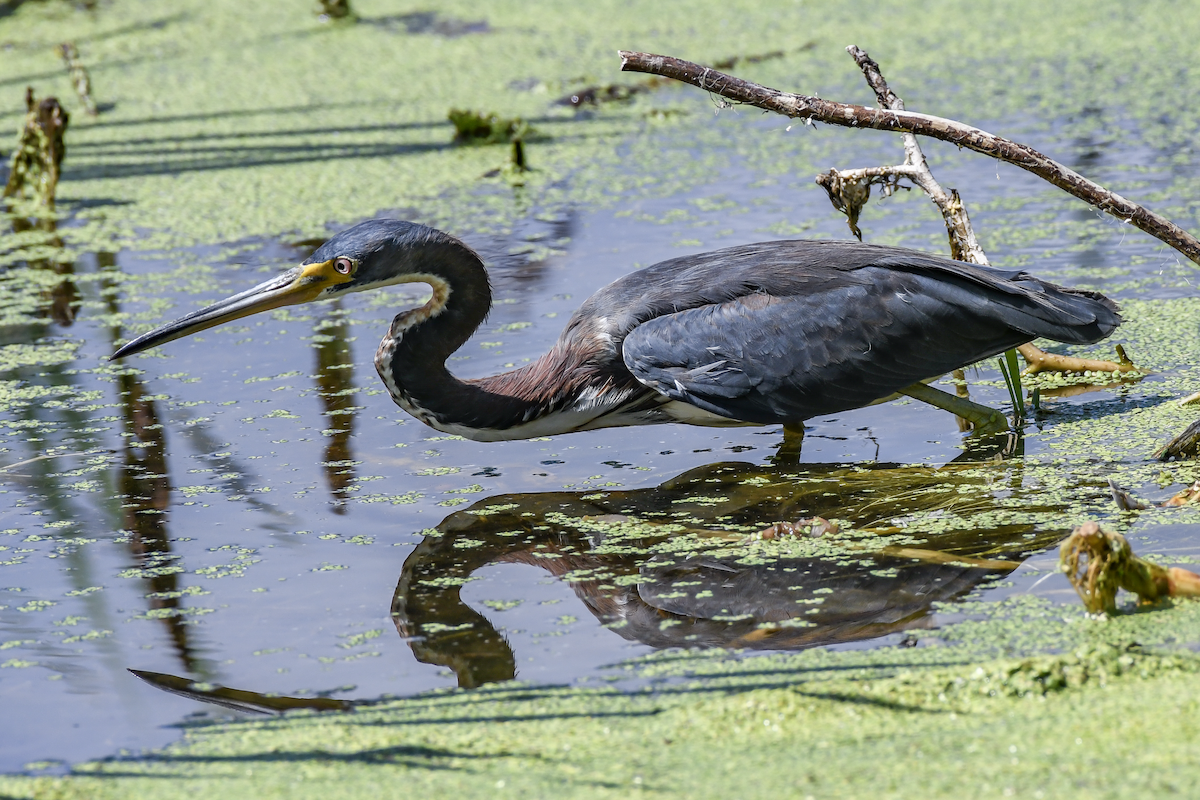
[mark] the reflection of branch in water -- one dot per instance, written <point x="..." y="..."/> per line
<point x="144" y="487"/>
<point x="621" y="553"/>
<point x="61" y="297"/>
<point x="238" y="699"/>
<point x="232" y="476"/>
<point x="1076" y="389"/>
<point x="335" y="385"/>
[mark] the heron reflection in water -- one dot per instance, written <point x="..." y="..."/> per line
<point x="761" y="334"/>
<point x="667" y="584"/>
<point x="669" y="566"/>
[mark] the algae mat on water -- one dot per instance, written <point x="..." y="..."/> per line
<point x="1104" y="719"/>
<point x="222" y="120"/>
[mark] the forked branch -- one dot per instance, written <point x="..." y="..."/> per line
<point x="854" y="116"/>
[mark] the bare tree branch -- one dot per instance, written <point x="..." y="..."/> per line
<point x="854" y="116"/>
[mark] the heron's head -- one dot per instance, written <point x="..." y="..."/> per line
<point x="371" y="254"/>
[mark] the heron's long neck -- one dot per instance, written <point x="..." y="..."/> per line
<point x="411" y="359"/>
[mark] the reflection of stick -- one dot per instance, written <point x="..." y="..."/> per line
<point x="238" y="699"/>
<point x="853" y="116"/>
<point x="942" y="557"/>
<point x="1099" y="563"/>
<point x="54" y="455"/>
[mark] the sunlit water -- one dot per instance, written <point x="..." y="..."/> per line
<point x="242" y="514"/>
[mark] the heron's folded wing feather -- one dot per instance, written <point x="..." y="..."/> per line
<point x="769" y="359"/>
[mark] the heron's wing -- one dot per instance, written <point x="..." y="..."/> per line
<point x="771" y="359"/>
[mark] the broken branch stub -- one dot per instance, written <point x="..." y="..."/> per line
<point x="37" y="161"/>
<point x="1099" y="563"/>
<point x="1185" y="445"/>
<point x="80" y="78"/>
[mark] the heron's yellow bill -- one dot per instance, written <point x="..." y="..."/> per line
<point x="298" y="285"/>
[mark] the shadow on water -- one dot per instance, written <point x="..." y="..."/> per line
<point x="161" y="155"/>
<point x="242" y="157"/>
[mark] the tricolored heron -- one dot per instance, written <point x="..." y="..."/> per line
<point x="761" y="334"/>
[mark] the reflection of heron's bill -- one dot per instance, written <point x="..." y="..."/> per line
<point x="237" y="699"/>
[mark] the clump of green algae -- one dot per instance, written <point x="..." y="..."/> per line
<point x="36" y="164"/>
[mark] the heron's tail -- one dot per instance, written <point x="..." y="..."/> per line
<point x="1073" y="316"/>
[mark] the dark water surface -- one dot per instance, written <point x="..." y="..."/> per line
<point x="248" y="508"/>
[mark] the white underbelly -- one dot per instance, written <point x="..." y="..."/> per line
<point x="670" y="411"/>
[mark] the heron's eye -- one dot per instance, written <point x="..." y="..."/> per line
<point x="344" y="266"/>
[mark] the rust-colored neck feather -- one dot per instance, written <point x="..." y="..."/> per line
<point x="411" y="359"/>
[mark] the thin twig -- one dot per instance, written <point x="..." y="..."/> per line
<point x="79" y="77"/>
<point x="855" y="116"/>
<point x="963" y="244"/>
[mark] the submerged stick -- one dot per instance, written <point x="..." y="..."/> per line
<point x="855" y="116"/>
<point x="1038" y="360"/>
<point x="1099" y="563"/>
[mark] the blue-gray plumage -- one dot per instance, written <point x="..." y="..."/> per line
<point x="768" y="333"/>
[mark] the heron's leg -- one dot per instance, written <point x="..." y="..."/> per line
<point x="789" y="451"/>
<point x="985" y="420"/>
